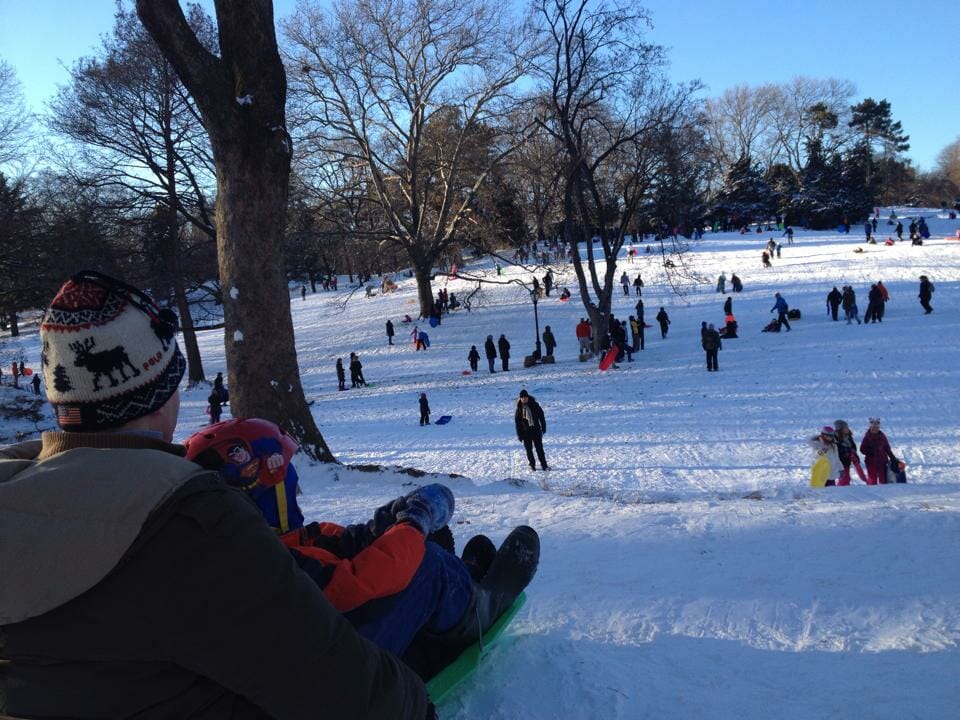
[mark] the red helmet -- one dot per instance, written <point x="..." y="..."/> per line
<point x="223" y="438"/>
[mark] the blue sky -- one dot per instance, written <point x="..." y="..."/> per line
<point x="908" y="53"/>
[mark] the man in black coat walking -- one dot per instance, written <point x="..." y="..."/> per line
<point x="549" y="341"/>
<point x="728" y="306"/>
<point x="926" y="294"/>
<point x="834" y="298"/>
<point x="491" y="351"/>
<point x="504" y="346"/>
<point x="389" y="332"/>
<point x="710" y="340"/>
<point x="531" y="426"/>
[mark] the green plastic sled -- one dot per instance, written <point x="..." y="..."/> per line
<point x="448" y="679"/>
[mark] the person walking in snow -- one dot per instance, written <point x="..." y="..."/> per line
<point x="874" y="300"/>
<point x="341" y="375"/>
<point x="503" y="345"/>
<point x="531" y="425"/>
<point x="641" y="323"/>
<point x="789" y="235"/>
<point x="635" y="331"/>
<point x="847" y="452"/>
<point x="899" y="230"/>
<point x="491" y="350"/>
<point x="625" y="281"/>
<point x="389" y="332"/>
<point x="214" y="406"/>
<point x="780" y="305"/>
<point x="834" y="298"/>
<point x="638" y="285"/>
<point x="868" y="230"/>
<point x="722" y="283"/>
<point x="356" y="371"/>
<point x="36" y="383"/>
<point x="728" y="306"/>
<point x="664" y="321"/>
<point x="884" y="299"/>
<point x="876" y="453"/>
<point x="850" y="305"/>
<point x="712" y="345"/>
<point x="424" y="410"/>
<point x="549" y="341"/>
<point x="474" y="358"/>
<point x="926" y="294"/>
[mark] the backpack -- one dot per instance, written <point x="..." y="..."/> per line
<point x="793" y="314"/>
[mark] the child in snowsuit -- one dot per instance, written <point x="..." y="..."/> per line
<point x="474" y="358"/>
<point x="847" y="452"/>
<point x="424" y="410"/>
<point x="876" y="452"/>
<point x="425" y="586"/>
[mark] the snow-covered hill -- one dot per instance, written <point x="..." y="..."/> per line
<point x="688" y="570"/>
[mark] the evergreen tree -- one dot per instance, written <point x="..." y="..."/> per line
<point x="60" y="380"/>
<point x="745" y="196"/>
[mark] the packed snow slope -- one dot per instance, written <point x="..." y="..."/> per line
<point x="688" y="570"/>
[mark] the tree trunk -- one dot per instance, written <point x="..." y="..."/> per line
<point x="14" y="325"/>
<point x="258" y="330"/>
<point x="424" y="289"/>
<point x="191" y="347"/>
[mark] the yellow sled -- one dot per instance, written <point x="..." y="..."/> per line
<point x="820" y="472"/>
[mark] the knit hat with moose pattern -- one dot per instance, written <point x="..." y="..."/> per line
<point x="109" y="354"/>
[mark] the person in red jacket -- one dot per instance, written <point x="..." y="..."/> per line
<point x="876" y="452"/>
<point x="584" y="331"/>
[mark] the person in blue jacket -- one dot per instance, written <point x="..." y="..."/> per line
<point x="780" y="305"/>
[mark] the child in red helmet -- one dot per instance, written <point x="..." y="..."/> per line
<point x="386" y="577"/>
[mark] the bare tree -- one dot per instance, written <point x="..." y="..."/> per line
<point x="608" y="102"/>
<point x="138" y="131"/>
<point x="15" y="117"/>
<point x="372" y="78"/>
<point x="740" y="123"/>
<point x="948" y="163"/>
<point x="242" y="98"/>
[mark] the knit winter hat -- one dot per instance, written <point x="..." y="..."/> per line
<point x="109" y="355"/>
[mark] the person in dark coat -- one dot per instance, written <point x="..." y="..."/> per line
<point x="531" y="426"/>
<point x="664" y="321"/>
<point x="474" y="358"/>
<point x="145" y="624"/>
<point x="703" y="331"/>
<point x="834" y="298"/>
<point x="356" y="371"/>
<point x="737" y="283"/>
<point x="549" y="341"/>
<point x="491" y="351"/>
<point x="36" y="383"/>
<point x="216" y="406"/>
<point x="548" y="283"/>
<point x="899" y="230"/>
<point x="638" y="285"/>
<point x="728" y="306"/>
<point x="712" y="345"/>
<point x="503" y="345"/>
<point x="874" y="301"/>
<point x="641" y="323"/>
<point x="303" y="292"/>
<point x="765" y="257"/>
<point x="341" y="376"/>
<point x="424" y="409"/>
<point x="926" y="294"/>
<point x="389" y="332"/>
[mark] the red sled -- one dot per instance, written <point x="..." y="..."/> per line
<point x="609" y="358"/>
<point x="465" y="372"/>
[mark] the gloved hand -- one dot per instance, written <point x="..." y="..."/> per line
<point x="429" y="508"/>
<point x="385" y="516"/>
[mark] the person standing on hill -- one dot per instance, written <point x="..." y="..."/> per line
<point x="712" y="345"/>
<point x="356" y="371"/>
<point x="728" y="306"/>
<point x="625" y="281"/>
<point x="789" y="235"/>
<point x="549" y="341"/>
<point x="641" y="324"/>
<point x="474" y="358"/>
<point x="341" y="375"/>
<point x="737" y="283"/>
<point x="847" y="452"/>
<point x="884" y="299"/>
<point x="531" y="425"/>
<point x="899" y="230"/>
<point x="780" y="305"/>
<point x="874" y="300"/>
<point x="834" y="298"/>
<point x="548" y="282"/>
<point x="876" y="452"/>
<point x="389" y="332"/>
<point x="584" y="331"/>
<point x="664" y="321"/>
<point x="215" y="407"/>
<point x="638" y="285"/>
<point x="722" y="283"/>
<point x="491" y="351"/>
<point x="36" y="383"/>
<point x="503" y="345"/>
<point x="850" y="305"/>
<point x="926" y="294"/>
<point x="424" y="410"/>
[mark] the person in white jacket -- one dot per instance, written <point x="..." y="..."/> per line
<point x="826" y="444"/>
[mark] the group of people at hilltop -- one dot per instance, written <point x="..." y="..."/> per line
<point x="837" y="444"/>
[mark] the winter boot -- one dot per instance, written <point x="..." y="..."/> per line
<point x="478" y="555"/>
<point x="511" y="571"/>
